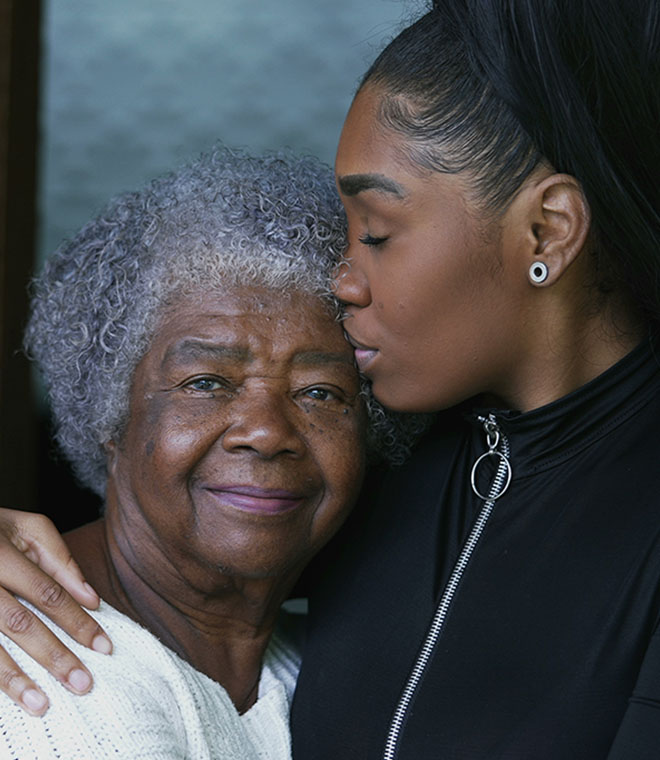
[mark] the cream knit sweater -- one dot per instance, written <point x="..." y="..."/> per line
<point x="148" y="703"/>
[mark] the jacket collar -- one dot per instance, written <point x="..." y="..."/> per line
<point x="551" y="434"/>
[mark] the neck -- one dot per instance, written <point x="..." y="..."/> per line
<point x="221" y="629"/>
<point x="566" y="351"/>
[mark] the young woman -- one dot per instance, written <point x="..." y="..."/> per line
<point x="499" y="171"/>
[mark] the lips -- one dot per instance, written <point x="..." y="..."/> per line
<point x="364" y="355"/>
<point x="267" y="501"/>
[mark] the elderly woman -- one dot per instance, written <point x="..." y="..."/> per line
<point x="201" y="384"/>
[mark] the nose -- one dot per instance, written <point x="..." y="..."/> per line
<point x="263" y="423"/>
<point x="350" y="283"/>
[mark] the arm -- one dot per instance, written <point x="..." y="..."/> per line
<point x="36" y="565"/>
<point x="639" y="733"/>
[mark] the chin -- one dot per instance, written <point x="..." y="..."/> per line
<point x="398" y="396"/>
<point x="406" y="402"/>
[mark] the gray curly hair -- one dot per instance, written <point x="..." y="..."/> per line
<point x="225" y="218"/>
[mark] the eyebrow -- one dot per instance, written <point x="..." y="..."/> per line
<point x="196" y="349"/>
<point x="352" y="184"/>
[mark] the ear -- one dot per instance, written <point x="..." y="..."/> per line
<point x="560" y="221"/>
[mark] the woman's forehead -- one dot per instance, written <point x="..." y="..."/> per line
<point x="241" y="299"/>
<point x="244" y="319"/>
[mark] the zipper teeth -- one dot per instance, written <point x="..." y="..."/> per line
<point x="440" y="615"/>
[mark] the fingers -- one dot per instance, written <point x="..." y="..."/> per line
<point x="38" y="539"/>
<point x="16" y="685"/>
<point x="29" y="633"/>
<point x="20" y="576"/>
<point x="27" y="538"/>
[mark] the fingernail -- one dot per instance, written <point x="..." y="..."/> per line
<point x="79" y="680"/>
<point x="102" y="644"/>
<point x="90" y="590"/>
<point x="34" y="700"/>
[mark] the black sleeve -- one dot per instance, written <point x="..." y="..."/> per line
<point x="638" y="736"/>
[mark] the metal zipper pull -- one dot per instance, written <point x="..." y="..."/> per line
<point x="503" y="469"/>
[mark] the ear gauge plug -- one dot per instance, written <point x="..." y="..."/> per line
<point x="538" y="272"/>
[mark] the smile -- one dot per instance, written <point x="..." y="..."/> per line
<point x="266" y="501"/>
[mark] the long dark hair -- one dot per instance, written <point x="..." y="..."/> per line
<point x="494" y="87"/>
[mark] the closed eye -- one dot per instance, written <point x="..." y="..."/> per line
<point x="371" y="240"/>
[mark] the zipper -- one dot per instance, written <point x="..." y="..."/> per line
<point x="498" y="448"/>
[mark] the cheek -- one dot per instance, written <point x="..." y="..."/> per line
<point x="341" y="493"/>
<point x="444" y="309"/>
<point x="167" y="444"/>
<point x="340" y="451"/>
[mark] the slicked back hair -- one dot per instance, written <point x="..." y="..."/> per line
<point x="493" y="88"/>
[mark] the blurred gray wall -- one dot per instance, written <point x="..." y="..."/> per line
<point x="130" y="88"/>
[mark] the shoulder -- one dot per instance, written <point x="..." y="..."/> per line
<point x="145" y="699"/>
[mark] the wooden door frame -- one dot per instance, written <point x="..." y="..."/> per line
<point x="20" y="32"/>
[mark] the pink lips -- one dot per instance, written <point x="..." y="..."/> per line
<point x="253" y="499"/>
<point x="363" y="357"/>
<point x="363" y="354"/>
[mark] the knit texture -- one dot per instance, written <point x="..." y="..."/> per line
<point x="148" y="703"/>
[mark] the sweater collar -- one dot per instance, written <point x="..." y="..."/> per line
<point x="551" y="434"/>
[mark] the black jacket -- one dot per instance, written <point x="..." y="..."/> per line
<point x="550" y="648"/>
